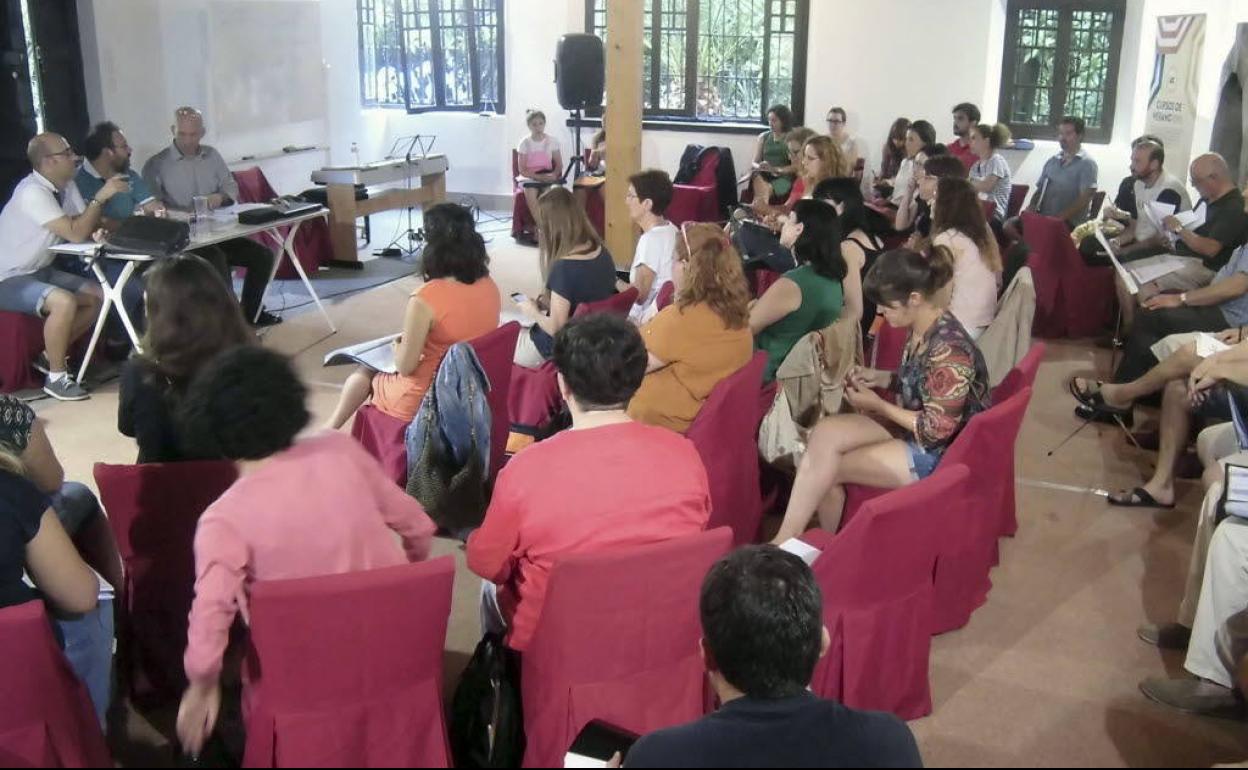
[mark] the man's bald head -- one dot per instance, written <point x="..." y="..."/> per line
<point x="1211" y="176"/>
<point x="51" y="156"/>
<point x="188" y="129"/>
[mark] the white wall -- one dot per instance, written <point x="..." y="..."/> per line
<point x="878" y="60"/>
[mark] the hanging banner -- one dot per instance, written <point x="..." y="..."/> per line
<point x="1176" y="85"/>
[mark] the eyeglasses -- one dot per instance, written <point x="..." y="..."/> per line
<point x="67" y="151"/>
<point x="835" y="121"/>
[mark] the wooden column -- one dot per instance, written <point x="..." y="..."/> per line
<point x="624" y="61"/>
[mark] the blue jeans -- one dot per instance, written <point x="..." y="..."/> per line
<point x="88" y="641"/>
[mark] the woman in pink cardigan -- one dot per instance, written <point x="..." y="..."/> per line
<point x="317" y="506"/>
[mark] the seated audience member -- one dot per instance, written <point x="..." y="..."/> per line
<point x="942" y="384"/>
<point x="619" y="483"/>
<point x="108" y="155"/>
<point x="46" y="210"/>
<point x="920" y="136"/>
<point x="188" y="169"/>
<point x="33" y="542"/>
<point x="316" y="506"/>
<point x="701" y="338"/>
<point x="1171" y="378"/>
<point x="773" y="173"/>
<point x="891" y="155"/>
<point x="810" y="297"/>
<point x="850" y="146"/>
<point x="1066" y="184"/>
<point x="762" y="635"/>
<point x="457" y="302"/>
<point x="1148" y="182"/>
<point x="965" y="119"/>
<point x="959" y="224"/>
<point x="1221" y="305"/>
<point x="990" y="174"/>
<point x="598" y="152"/>
<point x="576" y="267"/>
<point x="192" y="318"/>
<point x="649" y="194"/>
<point x="915" y="211"/>
<point x="858" y="225"/>
<point x="540" y="161"/>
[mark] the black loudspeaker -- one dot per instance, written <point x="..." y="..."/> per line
<point x="580" y="71"/>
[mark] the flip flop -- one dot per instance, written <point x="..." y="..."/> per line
<point x="1138" y="498"/>
<point x="1085" y="396"/>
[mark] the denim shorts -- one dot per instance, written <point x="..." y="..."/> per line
<point x="922" y="462"/>
<point x="26" y="293"/>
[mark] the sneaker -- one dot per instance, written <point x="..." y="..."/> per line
<point x="65" y="389"/>
<point x="267" y="319"/>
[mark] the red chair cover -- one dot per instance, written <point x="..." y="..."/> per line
<point x="761" y="279"/>
<point x="618" y="641"/>
<point x="1021" y="376"/>
<point x="667" y="292"/>
<point x="725" y="433"/>
<point x="697" y="201"/>
<point x="523" y="225"/>
<point x="1072" y="299"/>
<point x="495" y="351"/>
<point x="21" y="341"/>
<point x="153" y="511"/>
<point x="970" y="551"/>
<point x="876" y="578"/>
<point x="46" y="717"/>
<point x="346" y="670"/>
<point x="383" y="437"/>
<point x="312" y="244"/>
<point x="1018" y="194"/>
<point x="534" y="394"/>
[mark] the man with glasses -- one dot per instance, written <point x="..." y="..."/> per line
<point x="47" y="209"/>
<point x="851" y="147"/>
<point x="188" y="169"/>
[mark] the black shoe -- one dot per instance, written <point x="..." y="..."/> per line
<point x="267" y="319"/>
<point x="1105" y="414"/>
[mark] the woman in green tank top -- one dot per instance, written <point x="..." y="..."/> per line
<point x="811" y="297"/>
<point x="774" y="170"/>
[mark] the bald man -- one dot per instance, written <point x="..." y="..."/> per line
<point x="45" y="210"/>
<point x="187" y="169"/>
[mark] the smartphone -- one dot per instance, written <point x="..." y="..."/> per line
<point x="597" y="743"/>
<point x="518" y="297"/>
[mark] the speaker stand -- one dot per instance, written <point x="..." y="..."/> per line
<point x="577" y="162"/>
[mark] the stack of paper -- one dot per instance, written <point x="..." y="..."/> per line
<point x="1237" y="491"/>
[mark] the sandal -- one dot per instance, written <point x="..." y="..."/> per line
<point x="1086" y="396"/>
<point x="1137" y="498"/>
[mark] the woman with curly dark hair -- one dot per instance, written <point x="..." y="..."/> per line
<point x="701" y="338"/>
<point x="458" y="302"/>
<point x="192" y="316"/>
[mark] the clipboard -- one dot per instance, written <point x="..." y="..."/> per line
<point x="1127" y="279"/>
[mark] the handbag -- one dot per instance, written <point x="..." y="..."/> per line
<point x="150" y="236"/>
<point x="453" y="496"/>
<point x="487" y="711"/>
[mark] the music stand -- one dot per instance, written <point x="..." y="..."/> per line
<point x="408" y="144"/>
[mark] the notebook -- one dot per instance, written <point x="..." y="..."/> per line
<point x="377" y="355"/>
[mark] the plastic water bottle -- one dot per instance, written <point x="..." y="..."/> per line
<point x="355" y="153"/>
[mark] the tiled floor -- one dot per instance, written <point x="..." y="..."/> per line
<point x="1045" y="674"/>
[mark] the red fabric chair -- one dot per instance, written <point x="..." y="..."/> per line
<point x="697" y="201"/>
<point x="312" y="244"/>
<point x="1021" y="376"/>
<point x="761" y="279"/>
<point x="595" y="203"/>
<point x="876" y="576"/>
<point x="1018" y="194"/>
<point x="153" y="511"/>
<point x="725" y="433"/>
<point x="21" y="342"/>
<point x="617" y="641"/>
<point x="523" y="225"/>
<point x="46" y="717"/>
<point x="534" y="395"/>
<point x="667" y="292"/>
<point x="383" y="437"/>
<point x="1072" y="299"/>
<point x="890" y="343"/>
<point x="970" y="551"/>
<point x="346" y="670"/>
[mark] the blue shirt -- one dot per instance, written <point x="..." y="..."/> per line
<point x="120" y="206"/>
<point x="1235" y="310"/>
<point x="1063" y="183"/>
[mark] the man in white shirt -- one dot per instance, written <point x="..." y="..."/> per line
<point x="45" y="210"/>
<point x="649" y="194"/>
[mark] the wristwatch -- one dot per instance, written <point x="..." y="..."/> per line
<point x="1183" y="299"/>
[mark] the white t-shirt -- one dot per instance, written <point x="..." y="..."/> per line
<point x="974" y="301"/>
<point x="24" y="239"/>
<point x="902" y="181"/>
<point x="538" y="155"/>
<point x="656" y="249"/>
